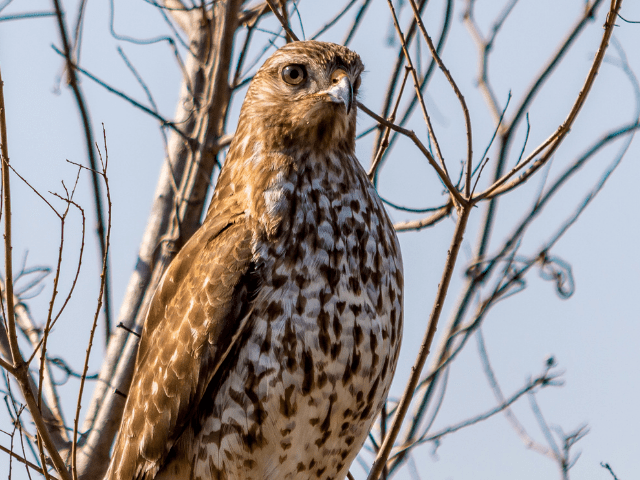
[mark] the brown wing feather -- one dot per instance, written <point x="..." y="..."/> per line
<point x="195" y="315"/>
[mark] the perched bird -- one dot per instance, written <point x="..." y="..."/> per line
<point x="272" y="339"/>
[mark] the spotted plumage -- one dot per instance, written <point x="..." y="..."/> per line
<point x="272" y="340"/>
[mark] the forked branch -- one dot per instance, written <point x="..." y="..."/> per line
<point x="19" y="368"/>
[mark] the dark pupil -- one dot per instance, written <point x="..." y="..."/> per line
<point x="293" y="74"/>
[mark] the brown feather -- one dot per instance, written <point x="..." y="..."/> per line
<point x="271" y="342"/>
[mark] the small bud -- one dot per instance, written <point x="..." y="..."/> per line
<point x="550" y="361"/>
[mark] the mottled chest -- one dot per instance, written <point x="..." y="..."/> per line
<point x="334" y="267"/>
<point x="308" y="379"/>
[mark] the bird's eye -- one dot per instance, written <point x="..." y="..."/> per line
<point x="294" y="74"/>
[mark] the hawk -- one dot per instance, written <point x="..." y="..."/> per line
<point x="272" y="339"/>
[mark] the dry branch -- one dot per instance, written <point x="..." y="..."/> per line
<point x="192" y="157"/>
<point x="20" y="369"/>
<point x="414" y="138"/>
<point x="454" y="86"/>
<point x="501" y="186"/>
<point x="425" y="347"/>
<point x="72" y="80"/>
<point x="282" y="20"/>
<point x="103" y="278"/>
<point x="443" y="354"/>
<point x="426" y="77"/>
<point x="544" y="380"/>
<point x="174" y="217"/>
<point x="24" y="461"/>
<point x="385" y="139"/>
<point x="416" y="84"/>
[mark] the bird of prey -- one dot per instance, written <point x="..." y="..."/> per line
<point x="273" y="336"/>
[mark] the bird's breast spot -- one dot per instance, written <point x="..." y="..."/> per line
<point x="274" y="200"/>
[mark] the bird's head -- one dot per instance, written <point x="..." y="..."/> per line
<point x="304" y="94"/>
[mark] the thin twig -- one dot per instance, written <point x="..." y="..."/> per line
<point x="551" y="145"/>
<point x="416" y="225"/>
<point x="606" y="465"/>
<point x="385" y="140"/>
<point x="414" y="138"/>
<point x="543" y="381"/>
<point x="20" y="369"/>
<point x="587" y="15"/>
<point x="251" y="28"/>
<point x="357" y="21"/>
<point x="21" y="459"/>
<point x="412" y="210"/>
<point x="493" y="137"/>
<point x="27" y="325"/>
<point x="282" y="21"/>
<point x="74" y="468"/>
<point x="446" y="24"/>
<point x="454" y="85"/>
<point x="334" y="20"/>
<point x="161" y="119"/>
<point x="23" y="16"/>
<point x="86" y="123"/>
<point x="416" y="370"/>
<point x="497" y="392"/>
<point x="485" y="48"/>
<point x="416" y="83"/>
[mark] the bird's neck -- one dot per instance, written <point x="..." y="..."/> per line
<point x="295" y="189"/>
<point x="276" y="185"/>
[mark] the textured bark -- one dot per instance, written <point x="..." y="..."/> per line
<point x="174" y="217"/>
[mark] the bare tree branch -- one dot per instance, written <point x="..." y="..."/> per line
<point x="174" y="218"/>
<point x="24" y="460"/>
<point x="292" y="36"/>
<point x="411" y="134"/>
<point x="454" y="85"/>
<point x="543" y="380"/>
<point x="608" y="467"/>
<point x="431" y="220"/>
<point x="20" y="368"/>
<point x="416" y="82"/>
<point x="528" y="441"/>
<point x="385" y="140"/>
<point x="405" y="401"/>
<point x="86" y="125"/>
<point x="103" y="277"/>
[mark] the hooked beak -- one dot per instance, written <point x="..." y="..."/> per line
<point x="341" y="90"/>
